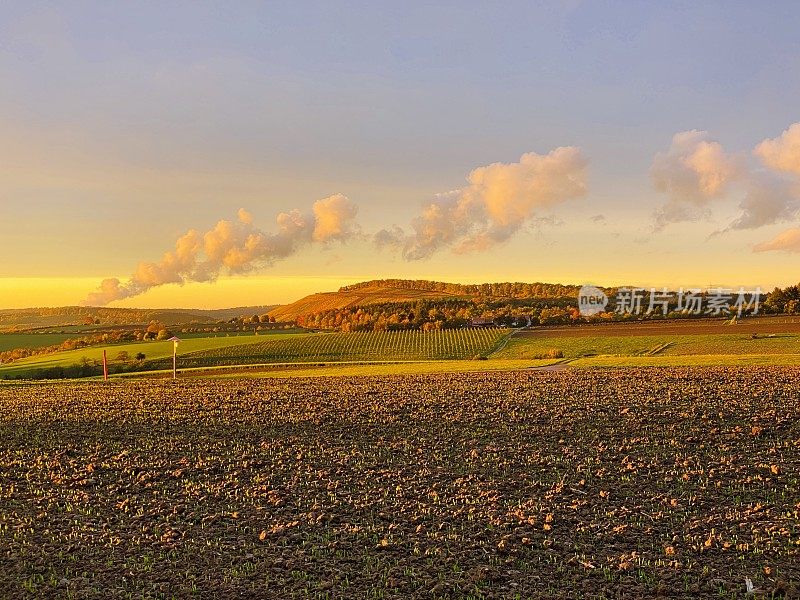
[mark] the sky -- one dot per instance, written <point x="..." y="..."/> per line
<point x="200" y="154"/>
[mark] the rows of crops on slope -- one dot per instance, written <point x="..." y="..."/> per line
<point x="650" y="483"/>
<point x="362" y="346"/>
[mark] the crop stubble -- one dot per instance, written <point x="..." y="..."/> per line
<point x="634" y="483"/>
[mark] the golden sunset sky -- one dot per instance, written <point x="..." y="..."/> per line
<point x="577" y="142"/>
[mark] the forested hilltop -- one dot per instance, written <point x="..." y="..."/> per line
<point x="397" y="304"/>
<point x="497" y="290"/>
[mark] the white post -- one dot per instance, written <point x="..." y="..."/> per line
<point x="174" y="341"/>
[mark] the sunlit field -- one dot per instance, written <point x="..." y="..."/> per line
<point x="420" y="300"/>
<point x="755" y="342"/>
<point x="215" y="351"/>
<point x="593" y="484"/>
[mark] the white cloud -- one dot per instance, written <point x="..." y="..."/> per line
<point x="693" y="172"/>
<point x="496" y="202"/>
<point x="782" y="153"/>
<point x="234" y="247"/>
<point x="769" y="200"/>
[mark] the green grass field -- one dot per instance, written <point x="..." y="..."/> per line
<point x="683" y="344"/>
<point x="615" y="346"/>
<point x="152" y="351"/>
<point x="689" y="360"/>
<point x="283" y="348"/>
<point x="785" y="343"/>
<point x="522" y="347"/>
<point x="12" y="341"/>
<point x="531" y="346"/>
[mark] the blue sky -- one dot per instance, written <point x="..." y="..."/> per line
<point x="125" y="124"/>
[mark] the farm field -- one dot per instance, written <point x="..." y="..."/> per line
<point x="670" y="345"/>
<point x="760" y="325"/>
<point x="152" y="350"/>
<point x="680" y="340"/>
<point x="12" y="341"/>
<point x="353" y="369"/>
<point x="584" y="483"/>
<point x="686" y="360"/>
<point x="454" y="344"/>
<point x="772" y="340"/>
<point x="285" y="347"/>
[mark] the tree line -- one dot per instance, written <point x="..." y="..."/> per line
<point x="501" y="310"/>
<point x="783" y="300"/>
<point x="484" y="290"/>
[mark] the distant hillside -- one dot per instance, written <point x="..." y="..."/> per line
<point x="345" y="298"/>
<point x="406" y="290"/>
<point x="360" y="294"/>
<point x="32" y="318"/>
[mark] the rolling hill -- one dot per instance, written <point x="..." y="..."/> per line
<point x="372" y="292"/>
<point x="33" y="318"/>
<point x="409" y="290"/>
<point x="359" y="294"/>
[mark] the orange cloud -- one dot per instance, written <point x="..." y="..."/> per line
<point x="234" y="247"/>
<point x="787" y="241"/>
<point x="496" y="202"/>
<point x="782" y="153"/>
